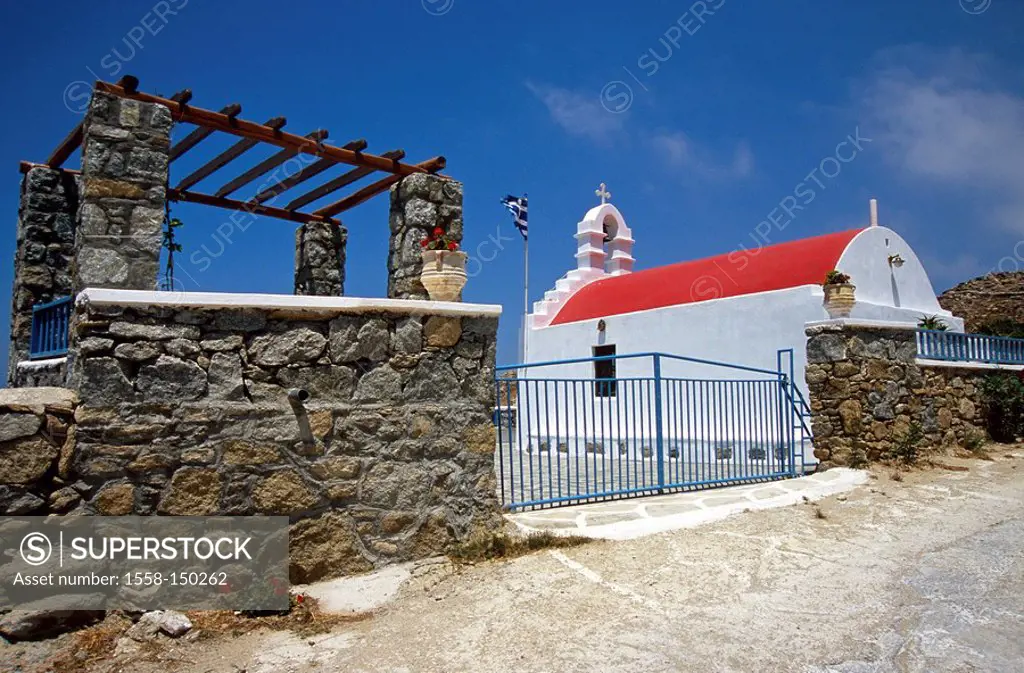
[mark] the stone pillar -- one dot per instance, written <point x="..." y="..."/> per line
<point x="320" y="259"/>
<point x="42" y="258"/>
<point x="419" y="203"/>
<point x="125" y="156"/>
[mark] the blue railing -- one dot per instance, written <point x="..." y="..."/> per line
<point x="577" y="437"/>
<point x="960" y="347"/>
<point x="50" y="323"/>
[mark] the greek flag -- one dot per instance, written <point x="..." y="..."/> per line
<point x="517" y="206"/>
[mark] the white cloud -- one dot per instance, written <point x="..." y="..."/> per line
<point x="941" y="118"/>
<point x="680" y="151"/>
<point x="579" y="114"/>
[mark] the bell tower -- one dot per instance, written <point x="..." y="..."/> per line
<point x="604" y="247"/>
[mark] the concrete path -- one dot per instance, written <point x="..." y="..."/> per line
<point x="632" y="518"/>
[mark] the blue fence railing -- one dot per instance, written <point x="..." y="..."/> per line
<point x="961" y="347"/>
<point x="576" y="437"/>
<point x="50" y="324"/>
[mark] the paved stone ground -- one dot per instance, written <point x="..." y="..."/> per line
<point x="636" y="517"/>
<point x="922" y="575"/>
<point x="526" y="477"/>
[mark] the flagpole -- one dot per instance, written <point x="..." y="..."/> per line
<point x="526" y="297"/>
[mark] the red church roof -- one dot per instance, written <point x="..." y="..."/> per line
<point x="774" y="267"/>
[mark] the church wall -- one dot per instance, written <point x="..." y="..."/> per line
<point x="881" y="286"/>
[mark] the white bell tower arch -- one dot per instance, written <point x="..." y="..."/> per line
<point x="604" y="247"/>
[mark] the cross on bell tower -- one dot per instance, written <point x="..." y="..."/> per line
<point x="603" y="193"/>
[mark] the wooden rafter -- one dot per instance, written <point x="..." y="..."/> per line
<point x="175" y="194"/>
<point x="305" y="174"/>
<point x="260" y="132"/>
<point x="339" y="182"/>
<point x="369" y="191"/>
<point x="67" y="146"/>
<point x="267" y="165"/>
<point x="201" y="132"/>
<point x="227" y="156"/>
<point x="183" y="96"/>
<point x="249" y="134"/>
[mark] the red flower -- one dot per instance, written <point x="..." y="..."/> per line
<point x="424" y="242"/>
<point x="438" y="231"/>
<point x="452" y="245"/>
<point x="299" y="598"/>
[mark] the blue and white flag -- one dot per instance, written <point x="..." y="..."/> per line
<point x="517" y="206"/>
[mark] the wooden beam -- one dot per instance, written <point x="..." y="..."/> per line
<point x="175" y="194"/>
<point x="26" y="166"/>
<point x="247" y="129"/>
<point x="129" y="83"/>
<point x="183" y="96"/>
<point x="227" y="156"/>
<point x="354" y="199"/>
<point x="306" y="173"/>
<point x="67" y="146"/>
<point x="266" y="165"/>
<point x="369" y="191"/>
<point x="339" y="182"/>
<point x="200" y="132"/>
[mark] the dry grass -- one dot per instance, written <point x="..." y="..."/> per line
<point x="819" y="513"/>
<point x="90" y="645"/>
<point x="485" y="546"/>
<point x="305" y="619"/>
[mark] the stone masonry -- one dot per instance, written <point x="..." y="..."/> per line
<point x="45" y="246"/>
<point x="320" y="259"/>
<point x="36" y="440"/>
<point x="185" y="411"/>
<point x="866" y="389"/>
<point x="419" y="203"/>
<point x="125" y="156"/>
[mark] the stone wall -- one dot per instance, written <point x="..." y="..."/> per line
<point x="36" y="441"/>
<point x="419" y="203"/>
<point x="125" y="157"/>
<point x="867" y="389"/>
<point x="185" y="411"/>
<point x="320" y="259"/>
<point x="52" y="372"/>
<point x="42" y="258"/>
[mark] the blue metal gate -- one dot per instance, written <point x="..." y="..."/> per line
<point x="653" y="423"/>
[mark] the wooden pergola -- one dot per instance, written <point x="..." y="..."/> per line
<point x="352" y="155"/>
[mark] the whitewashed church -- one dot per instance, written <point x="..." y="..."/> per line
<point x="739" y="308"/>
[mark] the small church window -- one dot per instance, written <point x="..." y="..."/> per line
<point x="604" y="371"/>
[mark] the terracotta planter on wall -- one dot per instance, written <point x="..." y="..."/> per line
<point x="839" y="299"/>
<point x="443" y="274"/>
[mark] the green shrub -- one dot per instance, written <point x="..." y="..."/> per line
<point x="1004" y="327"/>
<point x="908" y="447"/>
<point x="932" y="322"/>
<point x="1004" y="405"/>
<point x="974" y="441"/>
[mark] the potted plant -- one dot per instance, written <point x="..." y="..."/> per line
<point x="839" y="294"/>
<point x="444" y="266"/>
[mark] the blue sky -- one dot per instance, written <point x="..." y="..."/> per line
<point x="701" y="118"/>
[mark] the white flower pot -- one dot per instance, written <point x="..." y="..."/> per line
<point x="443" y="274"/>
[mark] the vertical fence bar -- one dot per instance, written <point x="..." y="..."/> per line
<point x="660" y="439"/>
